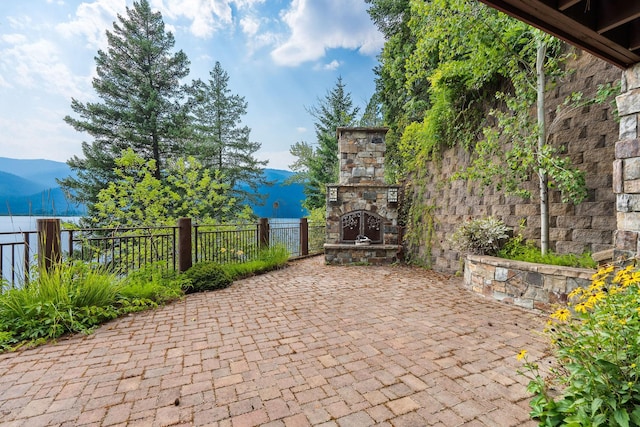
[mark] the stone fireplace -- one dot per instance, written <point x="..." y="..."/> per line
<point x="362" y="211"/>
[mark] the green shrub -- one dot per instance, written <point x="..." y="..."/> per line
<point x="206" y="276"/>
<point x="152" y="282"/>
<point x="516" y="249"/>
<point x="66" y="299"/>
<point x="267" y="260"/>
<point x="596" y="342"/>
<point x="483" y="236"/>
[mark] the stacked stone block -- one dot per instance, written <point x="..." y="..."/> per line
<point x="523" y="284"/>
<point x="361" y="187"/>
<point x="587" y="135"/>
<point x="626" y="167"/>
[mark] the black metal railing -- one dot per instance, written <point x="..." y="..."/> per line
<point x="225" y="243"/>
<point x="124" y="249"/>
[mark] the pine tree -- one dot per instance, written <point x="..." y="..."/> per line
<point x="335" y="110"/>
<point x="138" y="83"/>
<point x="221" y="143"/>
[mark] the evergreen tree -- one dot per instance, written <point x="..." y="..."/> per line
<point x="335" y="110"/>
<point x="372" y="116"/>
<point x="221" y="143"/>
<point x="138" y="83"/>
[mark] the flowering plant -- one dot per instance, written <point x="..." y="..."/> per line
<point x="596" y="342"/>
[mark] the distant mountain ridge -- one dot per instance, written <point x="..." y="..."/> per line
<point x="29" y="187"/>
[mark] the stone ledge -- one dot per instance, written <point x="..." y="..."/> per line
<point x="353" y="246"/>
<point x="582" y="273"/>
<point x="525" y="284"/>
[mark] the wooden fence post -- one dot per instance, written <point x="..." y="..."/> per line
<point x="304" y="237"/>
<point x="184" y="244"/>
<point x="263" y="233"/>
<point x="49" y="252"/>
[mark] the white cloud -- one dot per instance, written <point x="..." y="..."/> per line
<point x="13" y="38"/>
<point x="301" y="129"/>
<point x="92" y="19"/>
<point x="206" y="16"/>
<point x="23" y="23"/>
<point x="37" y="64"/>
<point x="319" y="25"/>
<point x="41" y="135"/>
<point x="250" y="25"/>
<point x="331" y="66"/>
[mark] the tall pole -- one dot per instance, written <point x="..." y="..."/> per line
<point x="542" y="137"/>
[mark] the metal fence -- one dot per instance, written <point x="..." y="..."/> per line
<point x="123" y="249"/>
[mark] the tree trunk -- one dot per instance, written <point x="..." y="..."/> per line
<point x="544" y="184"/>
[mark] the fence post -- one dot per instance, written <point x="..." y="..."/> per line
<point x="263" y="233"/>
<point x="49" y="252"/>
<point x="304" y="237"/>
<point x="184" y="244"/>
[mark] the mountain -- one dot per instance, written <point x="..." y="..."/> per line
<point x="41" y="171"/>
<point x="14" y="185"/>
<point x="29" y="187"/>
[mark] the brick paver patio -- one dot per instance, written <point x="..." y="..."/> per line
<point x="307" y="345"/>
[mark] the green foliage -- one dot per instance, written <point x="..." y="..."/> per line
<point x="68" y="298"/>
<point x="138" y="85"/>
<point x="596" y="380"/>
<point x="219" y="139"/>
<point x="137" y="198"/>
<point x="483" y="236"/>
<point x="317" y="221"/>
<point x="268" y="259"/>
<point x="463" y="52"/>
<point x="507" y="167"/>
<point x="206" y="276"/>
<point x="517" y="249"/>
<point x="153" y="283"/>
<point x="77" y="297"/>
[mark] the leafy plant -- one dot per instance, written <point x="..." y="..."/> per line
<point x="483" y="236"/>
<point x="206" y="276"/>
<point x="153" y="283"/>
<point x="596" y="380"/>
<point x="516" y="249"/>
<point x="67" y="298"/>
<point x="268" y="259"/>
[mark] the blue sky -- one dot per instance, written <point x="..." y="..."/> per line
<point x="281" y="55"/>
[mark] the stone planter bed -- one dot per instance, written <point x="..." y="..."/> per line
<point x="524" y="284"/>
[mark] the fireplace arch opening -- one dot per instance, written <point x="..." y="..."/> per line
<point x="361" y="223"/>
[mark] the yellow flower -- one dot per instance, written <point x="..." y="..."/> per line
<point x="521" y="355"/>
<point x="223" y="250"/>
<point x="575" y="293"/>
<point x="580" y="308"/>
<point x="562" y="314"/>
<point x="240" y="253"/>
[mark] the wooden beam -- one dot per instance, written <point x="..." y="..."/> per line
<point x="634" y="37"/>
<point x="566" y="4"/>
<point x="614" y="13"/>
<point x="539" y="14"/>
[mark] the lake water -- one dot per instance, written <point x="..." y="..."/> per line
<point x="283" y="230"/>
<point x="26" y="223"/>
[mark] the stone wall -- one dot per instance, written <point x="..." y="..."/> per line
<point x="626" y="168"/>
<point x="588" y="136"/>
<point x="524" y="284"/>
